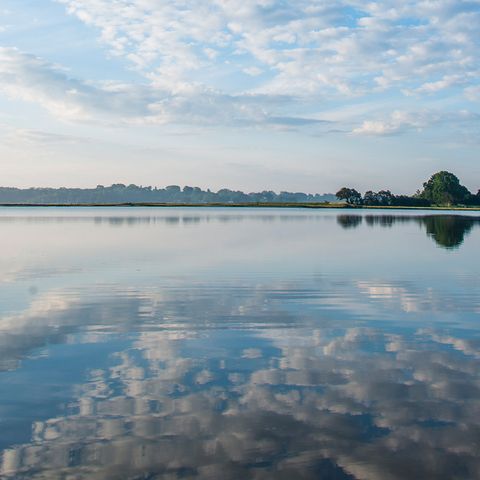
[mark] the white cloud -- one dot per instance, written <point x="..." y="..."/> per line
<point x="398" y="122"/>
<point x="348" y="47"/>
<point x="194" y="55"/>
<point x="29" y="78"/>
<point x="438" y="85"/>
<point x="253" y="71"/>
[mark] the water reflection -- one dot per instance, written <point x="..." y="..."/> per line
<point x="349" y="221"/>
<point x="294" y="396"/>
<point x="448" y="231"/>
<point x="332" y="368"/>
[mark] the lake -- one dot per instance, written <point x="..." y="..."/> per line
<point x="239" y="343"/>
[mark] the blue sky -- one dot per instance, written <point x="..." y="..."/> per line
<point x="248" y="94"/>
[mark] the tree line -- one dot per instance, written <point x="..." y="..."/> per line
<point x="442" y="189"/>
<point x="120" y="193"/>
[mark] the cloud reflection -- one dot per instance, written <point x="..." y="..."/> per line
<point x="274" y="395"/>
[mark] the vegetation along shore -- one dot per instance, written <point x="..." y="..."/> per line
<point x="443" y="191"/>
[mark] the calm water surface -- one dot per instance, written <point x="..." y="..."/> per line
<point x="239" y="344"/>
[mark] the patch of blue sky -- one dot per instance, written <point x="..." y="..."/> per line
<point x="411" y="22"/>
<point x="348" y="17"/>
<point x="280" y="12"/>
<point x="42" y="29"/>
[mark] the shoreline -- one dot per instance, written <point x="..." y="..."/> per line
<point x="340" y="206"/>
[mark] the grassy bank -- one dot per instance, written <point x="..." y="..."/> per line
<point x="342" y="206"/>
<point x="147" y="204"/>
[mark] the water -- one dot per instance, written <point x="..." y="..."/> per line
<point x="239" y="344"/>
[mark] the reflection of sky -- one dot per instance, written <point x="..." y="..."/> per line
<point x="253" y="347"/>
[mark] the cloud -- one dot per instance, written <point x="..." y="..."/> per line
<point x="438" y="85"/>
<point x="259" y="62"/>
<point x="399" y="122"/>
<point x="32" y="79"/>
<point x="25" y="136"/>
<point x="253" y="71"/>
<point x="346" y="48"/>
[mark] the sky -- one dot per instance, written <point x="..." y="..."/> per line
<point x="245" y="94"/>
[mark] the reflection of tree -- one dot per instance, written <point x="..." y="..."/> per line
<point x="448" y="231"/>
<point x="381" y="220"/>
<point x="349" y="221"/>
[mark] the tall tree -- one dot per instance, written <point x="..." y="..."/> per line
<point x="444" y="188"/>
<point x="350" y="195"/>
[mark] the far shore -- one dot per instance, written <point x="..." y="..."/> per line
<point x="342" y="206"/>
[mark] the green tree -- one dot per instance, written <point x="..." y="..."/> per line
<point x="444" y="188"/>
<point x="382" y="198"/>
<point x="350" y="195"/>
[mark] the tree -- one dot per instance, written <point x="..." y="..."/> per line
<point x="385" y="197"/>
<point x="370" y="198"/>
<point x="382" y="198"/>
<point x="444" y="188"/>
<point x="350" y="195"/>
<point x="474" y="200"/>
